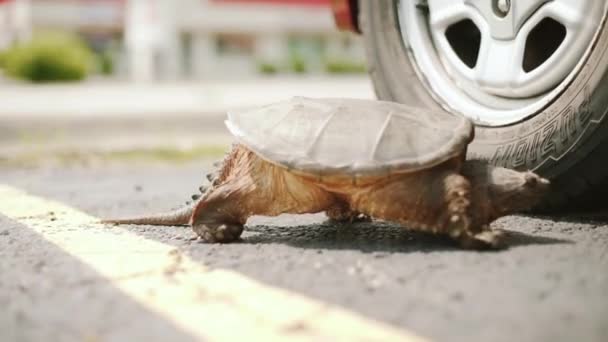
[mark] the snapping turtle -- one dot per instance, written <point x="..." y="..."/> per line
<point x="355" y="159"/>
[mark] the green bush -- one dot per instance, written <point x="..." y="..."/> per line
<point x="298" y="64"/>
<point x="267" y="68"/>
<point x="106" y="64"/>
<point x="50" y="57"/>
<point x="339" y="66"/>
<point x="2" y="58"/>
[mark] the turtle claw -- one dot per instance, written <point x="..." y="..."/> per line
<point x="361" y="218"/>
<point x="349" y="218"/>
<point x="486" y="239"/>
<point x="218" y="232"/>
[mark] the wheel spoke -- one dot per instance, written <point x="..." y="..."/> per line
<point x="499" y="63"/>
<point x="521" y="12"/>
<point x="572" y="13"/>
<point x="446" y="12"/>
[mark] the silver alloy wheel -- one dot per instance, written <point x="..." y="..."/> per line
<point x="498" y="61"/>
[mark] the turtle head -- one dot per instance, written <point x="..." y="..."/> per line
<point x="500" y="191"/>
<point x="512" y="191"/>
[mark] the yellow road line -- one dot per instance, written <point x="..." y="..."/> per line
<point x="210" y="304"/>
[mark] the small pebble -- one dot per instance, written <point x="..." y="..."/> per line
<point x="138" y="188"/>
<point x="379" y="255"/>
<point x="374" y="284"/>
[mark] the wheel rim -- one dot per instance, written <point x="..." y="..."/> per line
<point x="498" y="61"/>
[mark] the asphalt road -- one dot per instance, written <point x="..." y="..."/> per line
<point x="550" y="285"/>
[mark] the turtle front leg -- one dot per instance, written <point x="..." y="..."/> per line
<point x="486" y="238"/>
<point x="498" y="191"/>
<point x="460" y="221"/>
<point x="250" y="187"/>
<point x="436" y="201"/>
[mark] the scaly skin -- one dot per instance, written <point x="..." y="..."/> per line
<point x="457" y="198"/>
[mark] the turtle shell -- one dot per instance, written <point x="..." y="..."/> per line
<point x="329" y="136"/>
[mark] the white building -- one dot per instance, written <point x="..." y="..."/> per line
<point x="203" y="39"/>
<point x="224" y="32"/>
<point x="15" y="23"/>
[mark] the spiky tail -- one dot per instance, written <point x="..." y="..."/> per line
<point x="178" y="217"/>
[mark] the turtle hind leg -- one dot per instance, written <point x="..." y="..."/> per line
<point x="250" y="187"/>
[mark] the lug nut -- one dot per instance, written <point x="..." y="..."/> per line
<point x="504" y="6"/>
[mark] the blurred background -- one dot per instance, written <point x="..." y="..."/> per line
<point x="142" y="40"/>
<point x="85" y="75"/>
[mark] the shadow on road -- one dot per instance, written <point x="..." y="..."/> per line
<point x="373" y="237"/>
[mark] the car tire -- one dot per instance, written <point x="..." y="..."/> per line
<point x="567" y="141"/>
